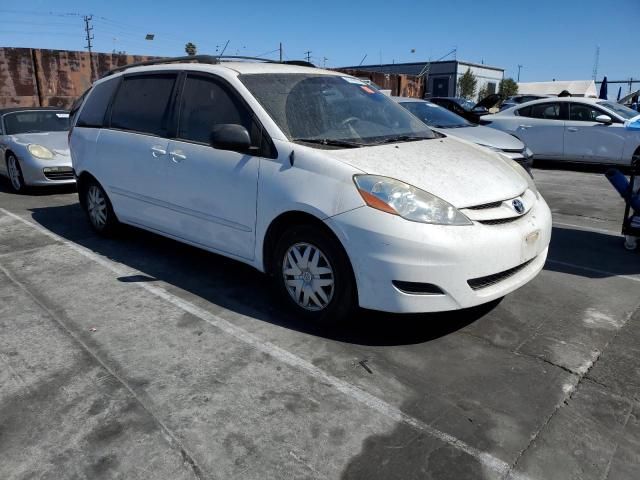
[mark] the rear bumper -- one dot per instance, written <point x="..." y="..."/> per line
<point x="385" y="248"/>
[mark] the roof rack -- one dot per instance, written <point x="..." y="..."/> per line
<point x="206" y="59"/>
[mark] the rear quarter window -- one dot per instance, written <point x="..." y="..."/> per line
<point x="92" y="115"/>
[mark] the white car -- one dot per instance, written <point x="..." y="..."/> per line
<point x="448" y="123"/>
<point x="573" y="129"/>
<point x="313" y="177"/>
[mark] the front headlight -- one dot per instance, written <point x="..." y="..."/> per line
<point x="411" y="203"/>
<point x="41" y="152"/>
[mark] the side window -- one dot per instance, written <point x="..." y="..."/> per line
<point x="206" y="103"/>
<point x="142" y="104"/>
<point x="583" y="113"/>
<point x="92" y="115"/>
<point x="548" y="111"/>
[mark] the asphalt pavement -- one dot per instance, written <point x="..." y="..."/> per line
<point x="139" y="357"/>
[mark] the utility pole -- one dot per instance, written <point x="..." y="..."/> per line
<point x="89" y="36"/>
<point x="324" y="62"/>
<point x="519" y="67"/>
<point x="308" y="55"/>
<point x="280" y="52"/>
<point x="596" y="61"/>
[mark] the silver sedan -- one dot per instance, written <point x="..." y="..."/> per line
<point x="34" y="148"/>
<point x="447" y="122"/>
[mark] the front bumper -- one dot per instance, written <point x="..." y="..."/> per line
<point x="37" y="172"/>
<point x="384" y="248"/>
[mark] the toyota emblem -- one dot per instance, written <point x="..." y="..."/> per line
<point x="518" y="206"/>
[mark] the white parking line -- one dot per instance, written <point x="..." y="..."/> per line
<point x="356" y="393"/>
<point x="589" y="229"/>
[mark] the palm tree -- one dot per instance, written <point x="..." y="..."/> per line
<point x="190" y="48"/>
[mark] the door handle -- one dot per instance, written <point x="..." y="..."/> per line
<point x="178" y="156"/>
<point x="158" y="151"/>
<point x="572" y="129"/>
<point x="524" y="127"/>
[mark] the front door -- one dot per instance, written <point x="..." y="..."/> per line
<point x="586" y="140"/>
<point x="213" y="192"/>
<point x="441" y="87"/>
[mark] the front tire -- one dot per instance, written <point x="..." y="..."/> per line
<point x="313" y="276"/>
<point x="16" y="179"/>
<point x="99" y="210"/>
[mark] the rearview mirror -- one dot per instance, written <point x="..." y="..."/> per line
<point x="230" y="136"/>
<point x="604" y="119"/>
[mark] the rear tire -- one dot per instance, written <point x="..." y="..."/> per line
<point x="99" y="210"/>
<point x="16" y="179"/>
<point x="313" y="276"/>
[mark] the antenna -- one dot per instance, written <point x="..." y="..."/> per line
<point x="596" y="61"/>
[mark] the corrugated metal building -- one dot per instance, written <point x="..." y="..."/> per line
<point x="442" y="76"/>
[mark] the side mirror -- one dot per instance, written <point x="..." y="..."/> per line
<point x="230" y="136"/>
<point x="606" y="119"/>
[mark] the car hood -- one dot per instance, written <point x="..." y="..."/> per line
<point x="57" y="142"/>
<point x="486" y="136"/>
<point x="489" y="101"/>
<point x="454" y="170"/>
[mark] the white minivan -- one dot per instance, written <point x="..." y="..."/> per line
<point x="338" y="193"/>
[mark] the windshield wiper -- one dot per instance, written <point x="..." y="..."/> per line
<point x="329" y="141"/>
<point x="402" y="138"/>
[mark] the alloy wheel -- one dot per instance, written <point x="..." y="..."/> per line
<point x="308" y="276"/>
<point x="97" y="207"/>
<point x="14" y="172"/>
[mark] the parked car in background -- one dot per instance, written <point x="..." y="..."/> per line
<point x="449" y="123"/>
<point x="337" y="192"/>
<point x="466" y="108"/>
<point x="34" y="150"/>
<point x="573" y="129"/>
<point x="518" y="99"/>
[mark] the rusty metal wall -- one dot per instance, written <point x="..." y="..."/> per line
<point x="40" y="77"/>
<point x="399" y="84"/>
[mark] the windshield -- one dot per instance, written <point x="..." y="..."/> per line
<point x="464" y="103"/>
<point x="625" y="112"/>
<point x="436" y="116"/>
<point x="332" y="110"/>
<point x="35" y="121"/>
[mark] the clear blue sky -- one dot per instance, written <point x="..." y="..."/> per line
<point x="550" y="38"/>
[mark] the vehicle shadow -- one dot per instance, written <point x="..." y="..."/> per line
<point x="36" y="191"/>
<point x="238" y="287"/>
<point x="590" y="254"/>
<point x="577" y="166"/>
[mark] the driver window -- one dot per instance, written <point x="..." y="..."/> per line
<point x="206" y="103"/>
<point x="583" y="113"/>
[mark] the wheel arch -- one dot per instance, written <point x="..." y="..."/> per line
<point x="286" y="220"/>
<point x="83" y="180"/>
